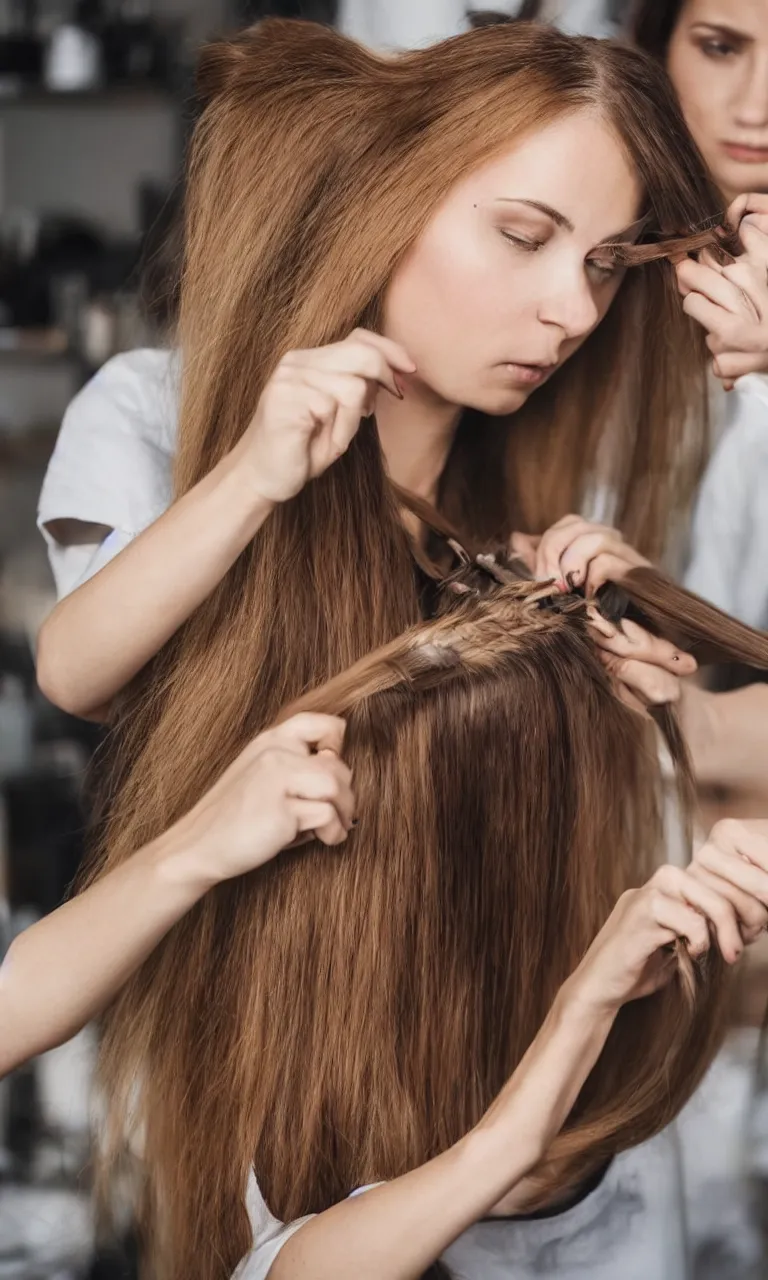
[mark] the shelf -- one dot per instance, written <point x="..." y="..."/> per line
<point x="126" y="96"/>
<point x="34" y="344"/>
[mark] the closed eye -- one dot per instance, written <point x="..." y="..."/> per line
<point x="603" y="268"/>
<point x="528" y="246"/>
<point x="717" y="49"/>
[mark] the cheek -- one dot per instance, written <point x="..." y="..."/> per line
<point x="442" y="294"/>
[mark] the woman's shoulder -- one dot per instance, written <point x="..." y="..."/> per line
<point x="135" y="392"/>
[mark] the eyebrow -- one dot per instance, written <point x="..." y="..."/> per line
<point x="722" y="29"/>
<point x="560" y="220"/>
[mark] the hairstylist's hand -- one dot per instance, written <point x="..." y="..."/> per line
<point x="731" y="302"/>
<point x="288" y="783"/>
<point x="311" y="408"/>
<point x="577" y="552"/>
<point x="646" y="670"/>
<point x="718" y="900"/>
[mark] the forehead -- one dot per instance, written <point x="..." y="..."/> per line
<point x="750" y="17"/>
<point x="577" y="165"/>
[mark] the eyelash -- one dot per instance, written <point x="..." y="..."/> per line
<point x="532" y="246"/>
<point x="604" y="272"/>
<point x="717" y="50"/>
<point x="528" y="246"/>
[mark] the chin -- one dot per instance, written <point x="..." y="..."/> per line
<point x="499" y="402"/>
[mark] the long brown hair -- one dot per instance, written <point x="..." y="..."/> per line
<point x="652" y="24"/>
<point x="314" y="167"/>
<point x="348" y="1015"/>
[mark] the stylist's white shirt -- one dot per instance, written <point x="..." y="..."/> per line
<point x="631" y="1227"/>
<point x="113" y="461"/>
<point x="729" y="556"/>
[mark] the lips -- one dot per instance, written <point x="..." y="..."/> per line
<point x="745" y="154"/>
<point x="528" y="374"/>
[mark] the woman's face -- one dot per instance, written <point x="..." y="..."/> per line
<point x="718" y="63"/>
<point x="508" y="280"/>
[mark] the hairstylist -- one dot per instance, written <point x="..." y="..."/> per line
<point x="716" y="54"/>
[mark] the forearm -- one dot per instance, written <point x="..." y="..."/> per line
<point x="396" y="1231"/>
<point x="727" y="734"/>
<point x="97" y="639"/>
<point x="62" y="971"/>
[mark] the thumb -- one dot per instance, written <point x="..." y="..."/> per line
<point x="524" y="545"/>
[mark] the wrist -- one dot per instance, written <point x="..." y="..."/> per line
<point x="241" y="485"/>
<point x="179" y="861"/>
<point x="583" y="1006"/>
<point x="702" y="716"/>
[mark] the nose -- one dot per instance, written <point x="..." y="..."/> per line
<point x="752" y="100"/>
<point x="570" y="307"/>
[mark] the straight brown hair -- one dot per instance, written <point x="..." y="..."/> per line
<point x="347" y="1015"/>
<point x="314" y="168"/>
<point x="652" y="24"/>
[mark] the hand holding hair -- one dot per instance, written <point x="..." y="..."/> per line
<point x="577" y="553"/>
<point x="290" y="782"/>
<point x="63" y="971"/>
<point x="730" y="300"/>
<point x="720" y="899"/>
<point x="311" y="408"/>
<point x="586" y="555"/>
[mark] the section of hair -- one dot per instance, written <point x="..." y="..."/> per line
<point x="690" y="622"/>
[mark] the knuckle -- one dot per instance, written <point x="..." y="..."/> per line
<point x="666" y="877"/>
<point x="286" y="364"/>
<point x="655" y="899"/>
<point x="659" y="689"/>
<point x="332" y="784"/>
<point x="727" y="831"/>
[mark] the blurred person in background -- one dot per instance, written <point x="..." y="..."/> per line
<point x="716" y="54"/>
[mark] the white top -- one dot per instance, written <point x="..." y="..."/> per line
<point x="113" y="461"/>
<point x="729" y="559"/>
<point x="632" y="1227"/>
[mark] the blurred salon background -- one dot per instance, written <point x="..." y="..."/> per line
<point x="96" y="103"/>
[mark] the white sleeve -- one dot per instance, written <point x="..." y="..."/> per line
<point x="729" y="546"/>
<point x="269" y="1236"/>
<point x="113" y="460"/>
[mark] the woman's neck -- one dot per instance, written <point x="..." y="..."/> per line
<point x="416" y="434"/>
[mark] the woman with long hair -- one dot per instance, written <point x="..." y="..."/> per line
<point x="500" y="286"/>
<point x="406" y="266"/>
